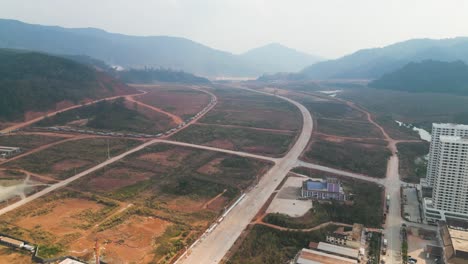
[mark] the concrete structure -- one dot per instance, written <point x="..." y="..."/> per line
<point x="338" y="250"/>
<point x="450" y="192"/>
<point x="337" y="238"/>
<point x="11" y="242"/>
<point x="350" y="239"/>
<point x="454" y="244"/>
<point x="6" y="152"/>
<point x="329" y="189"/>
<point x="311" y="256"/>
<point x="437" y="131"/>
<point x="71" y="261"/>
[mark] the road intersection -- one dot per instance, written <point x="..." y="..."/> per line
<point x="214" y="246"/>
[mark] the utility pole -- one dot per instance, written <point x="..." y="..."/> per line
<point x="97" y="251"/>
<point x="108" y="151"/>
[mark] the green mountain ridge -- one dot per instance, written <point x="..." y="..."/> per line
<point x="31" y="81"/>
<point x="373" y="63"/>
<point x="139" y="52"/>
<point x="427" y="76"/>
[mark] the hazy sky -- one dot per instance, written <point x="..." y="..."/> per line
<point x="329" y="28"/>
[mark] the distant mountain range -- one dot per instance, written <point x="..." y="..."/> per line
<point x="427" y="76"/>
<point x="273" y="58"/>
<point x="373" y="63"/>
<point x="152" y="51"/>
<point x="31" y="81"/>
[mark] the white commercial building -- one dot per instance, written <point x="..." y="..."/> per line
<point x="450" y="177"/>
<point x="439" y="130"/>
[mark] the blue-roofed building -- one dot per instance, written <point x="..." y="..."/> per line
<point x="329" y="189"/>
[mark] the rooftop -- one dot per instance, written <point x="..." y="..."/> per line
<point x="321" y="185"/>
<point x="450" y="125"/>
<point x="459" y="239"/>
<point x="11" y="241"/>
<point x="310" y="256"/>
<point x="343" y="251"/>
<point x="71" y="261"/>
<point x="315" y="185"/>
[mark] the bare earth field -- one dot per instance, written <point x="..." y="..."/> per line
<point x="9" y="256"/>
<point x="144" y="208"/>
<point x="177" y="99"/>
<point x="63" y="160"/>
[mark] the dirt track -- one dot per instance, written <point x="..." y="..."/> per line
<point x="174" y="118"/>
<point x="35" y="120"/>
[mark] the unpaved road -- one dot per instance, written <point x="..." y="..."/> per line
<point x="35" y="120"/>
<point x="216" y="244"/>
<point x="174" y="118"/>
<point x="213" y="247"/>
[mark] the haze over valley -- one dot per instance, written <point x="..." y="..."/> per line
<point x="233" y="132"/>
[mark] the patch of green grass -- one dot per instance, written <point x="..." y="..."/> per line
<point x="332" y="109"/>
<point x="105" y="115"/>
<point x="394" y="130"/>
<point x="27" y="142"/>
<point x="359" y="129"/>
<point x="366" y="159"/>
<point x="415" y="108"/>
<point x="245" y="108"/>
<point x="49" y="251"/>
<point x="242" y="139"/>
<point x="88" y="151"/>
<point x="171" y="242"/>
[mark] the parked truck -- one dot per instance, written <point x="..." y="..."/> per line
<point x="387" y="202"/>
<point x="384" y="246"/>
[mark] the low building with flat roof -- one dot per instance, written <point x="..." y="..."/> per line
<point x="329" y="189"/>
<point x="454" y="244"/>
<point x="338" y="250"/>
<point x="312" y="256"/>
<point x="11" y="241"/>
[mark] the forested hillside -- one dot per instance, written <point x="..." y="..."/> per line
<point x="31" y="81"/>
<point x="159" y="75"/>
<point x="427" y="76"/>
<point x="374" y="63"/>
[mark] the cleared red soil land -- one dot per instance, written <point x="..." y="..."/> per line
<point x="178" y="100"/>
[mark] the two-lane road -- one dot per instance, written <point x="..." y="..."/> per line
<point x="217" y="243"/>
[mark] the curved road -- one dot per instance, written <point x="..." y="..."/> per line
<point x="213" y="247"/>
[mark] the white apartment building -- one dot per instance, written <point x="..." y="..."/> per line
<point x="450" y="193"/>
<point x="437" y="131"/>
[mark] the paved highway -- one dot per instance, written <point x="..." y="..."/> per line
<point x="213" y="247"/>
